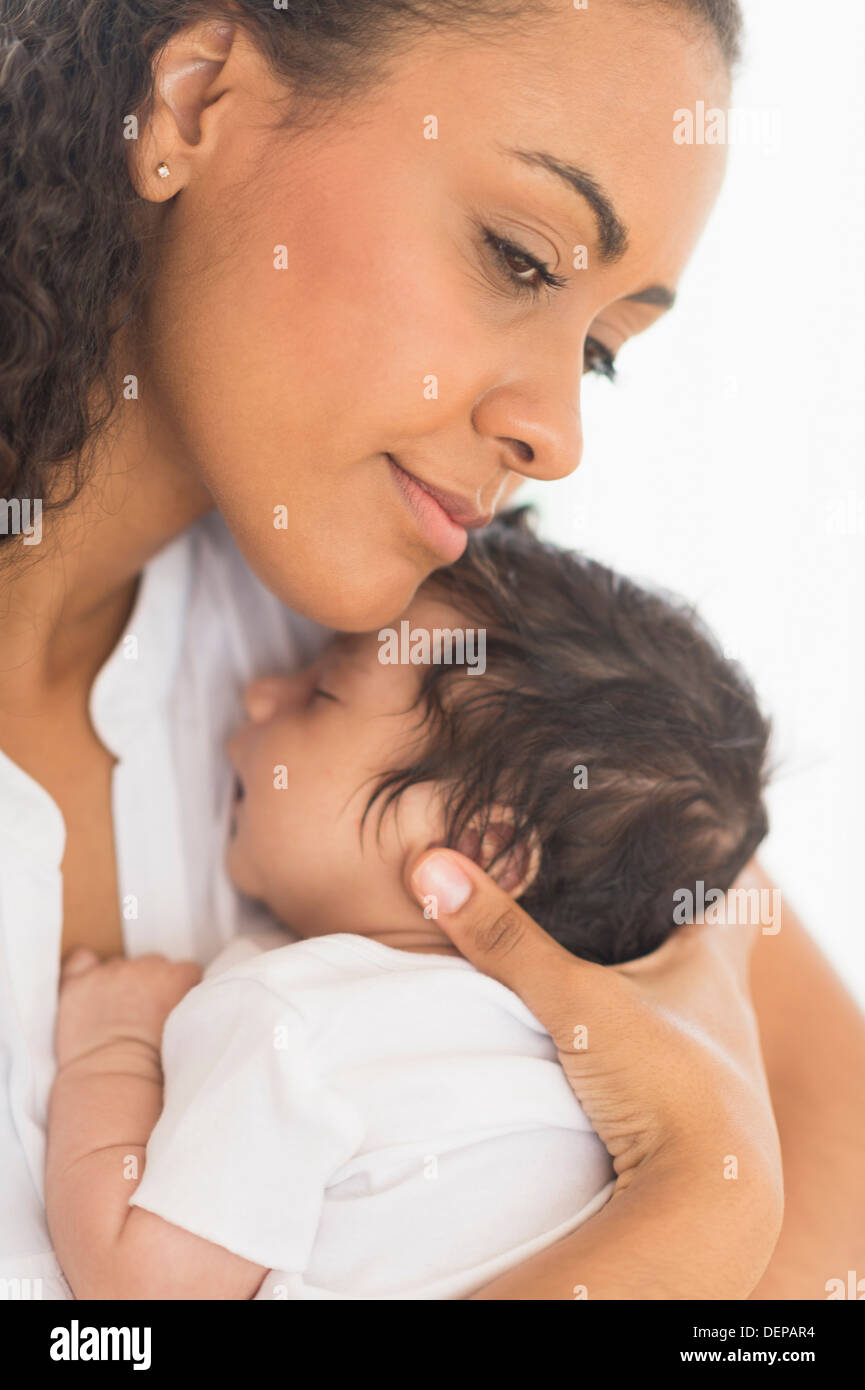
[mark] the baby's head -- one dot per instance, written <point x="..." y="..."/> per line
<point x="596" y="753"/>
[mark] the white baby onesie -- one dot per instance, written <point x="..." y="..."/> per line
<point x="367" y="1123"/>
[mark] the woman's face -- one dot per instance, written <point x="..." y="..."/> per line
<point x="347" y="320"/>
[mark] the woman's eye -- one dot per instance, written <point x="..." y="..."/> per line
<point x="318" y="693"/>
<point x="599" y="360"/>
<point x="525" y="271"/>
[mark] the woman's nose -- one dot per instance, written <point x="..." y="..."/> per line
<point x="262" y="698"/>
<point x="540" y="433"/>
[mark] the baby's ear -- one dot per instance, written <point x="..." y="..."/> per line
<point x="516" y="867"/>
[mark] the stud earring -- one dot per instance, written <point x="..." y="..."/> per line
<point x="163" y="171"/>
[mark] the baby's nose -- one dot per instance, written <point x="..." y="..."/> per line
<point x="262" y="698"/>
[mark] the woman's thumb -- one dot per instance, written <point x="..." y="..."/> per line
<point x="494" y="933"/>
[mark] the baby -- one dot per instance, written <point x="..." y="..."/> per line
<point x="361" y="1113"/>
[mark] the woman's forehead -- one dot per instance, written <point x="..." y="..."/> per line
<point x="577" y="110"/>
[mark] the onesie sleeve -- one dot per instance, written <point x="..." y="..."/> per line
<point x="249" y="1136"/>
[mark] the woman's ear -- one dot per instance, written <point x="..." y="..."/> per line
<point x="516" y="864"/>
<point x="186" y="82"/>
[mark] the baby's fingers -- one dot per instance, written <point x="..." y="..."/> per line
<point x="77" y="962"/>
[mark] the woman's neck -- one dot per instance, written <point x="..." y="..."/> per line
<point x="65" y="601"/>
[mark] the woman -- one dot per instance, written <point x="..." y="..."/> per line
<point x="335" y="270"/>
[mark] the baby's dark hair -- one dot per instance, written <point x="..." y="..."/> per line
<point x="609" y="722"/>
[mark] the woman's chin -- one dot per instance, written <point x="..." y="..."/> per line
<point x="357" y="586"/>
<point x="346" y="606"/>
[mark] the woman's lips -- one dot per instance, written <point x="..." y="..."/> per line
<point x="442" y="517"/>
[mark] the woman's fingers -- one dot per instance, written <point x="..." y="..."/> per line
<point x="496" y="935"/>
<point x="659" y="1052"/>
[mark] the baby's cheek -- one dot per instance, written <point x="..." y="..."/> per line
<point x="241" y="865"/>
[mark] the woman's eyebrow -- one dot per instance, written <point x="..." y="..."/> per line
<point x="655" y="294"/>
<point x="612" y="232"/>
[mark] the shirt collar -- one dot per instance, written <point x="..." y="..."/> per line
<point x="139" y="675"/>
<point x="130" y="687"/>
<point x="29" y="816"/>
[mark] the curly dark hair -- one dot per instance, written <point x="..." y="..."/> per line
<point x="71" y="264"/>
<point x="587" y="670"/>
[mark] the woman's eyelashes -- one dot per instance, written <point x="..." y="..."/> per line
<point x="530" y="276"/>
<point x="527" y="273"/>
<point x="599" y="359"/>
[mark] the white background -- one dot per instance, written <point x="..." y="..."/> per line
<point x="728" y="462"/>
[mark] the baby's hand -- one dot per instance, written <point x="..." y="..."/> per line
<point x="104" y="1002"/>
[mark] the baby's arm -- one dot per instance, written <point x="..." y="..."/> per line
<point x="106" y="1099"/>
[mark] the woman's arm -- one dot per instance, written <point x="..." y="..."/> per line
<point x="664" y="1056"/>
<point x="671" y="1233"/>
<point x="813" y="1039"/>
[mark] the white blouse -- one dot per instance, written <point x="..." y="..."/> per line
<point x="163" y="704"/>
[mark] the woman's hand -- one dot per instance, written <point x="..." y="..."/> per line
<point x="117" y="1000"/>
<point x="664" y="1057"/>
